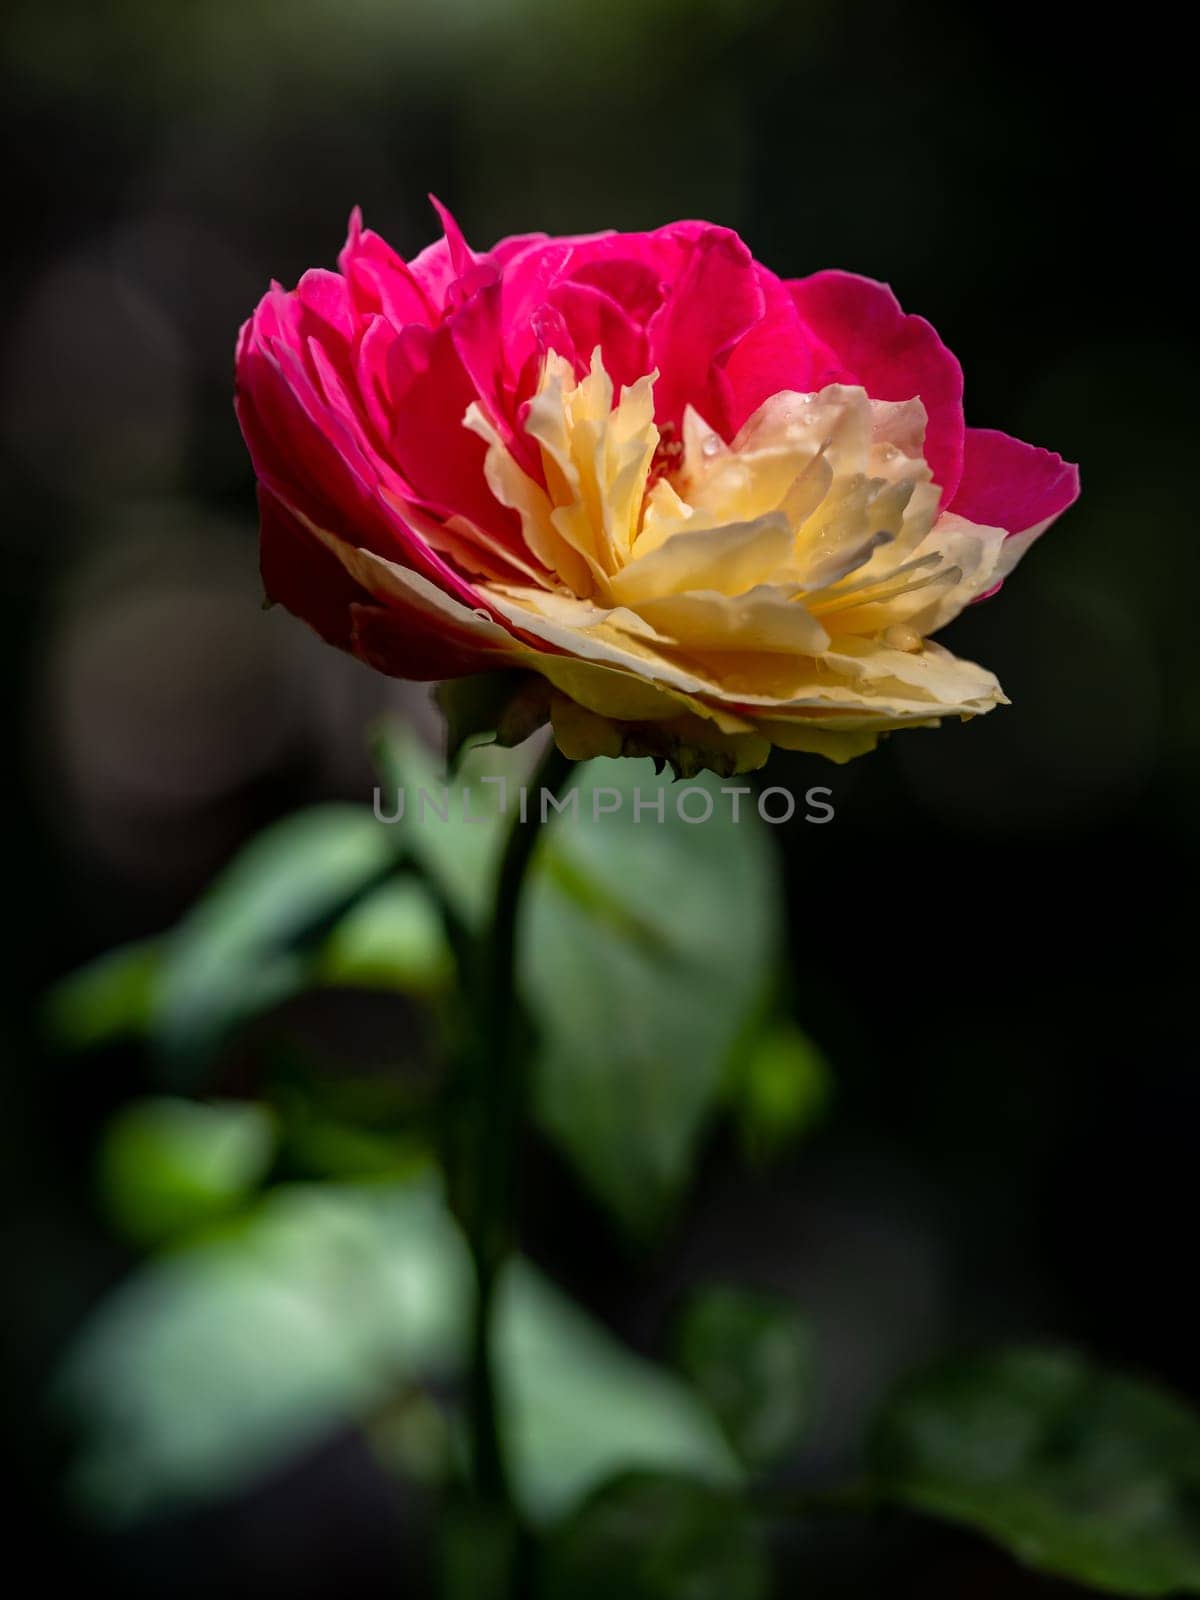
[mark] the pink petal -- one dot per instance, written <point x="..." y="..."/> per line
<point x="406" y="644"/>
<point x="450" y="271"/>
<point x="593" y="318"/>
<point x="475" y="331"/>
<point x="300" y="573"/>
<point x="715" y="300"/>
<point x="440" y="459"/>
<point x="306" y="454"/>
<point x="1011" y="485"/>
<point x="462" y="257"/>
<point x="893" y="356"/>
<point x="371" y="371"/>
<point x="433" y="271"/>
<point x="529" y="276"/>
<point x="378" y="279"/>
<point x="324" y="305"/>
<point x="313" y="454"/>
<point x="547" y="331"/>
<point x="632" y="282"/>
<point x="779" y="352"/>
<point x="504" y="250"/>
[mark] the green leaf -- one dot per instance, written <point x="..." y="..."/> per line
<point x="503" y="706"/>
<point x="779" y="1088"/>
<point x="240" y="947"/>
<point x="254" y="937"/>
<point x="751" y="1356"/>
<point x="650" y="1536"/>
<point x="323" y="1146"/>
<point x="110" y="998"/>
<point x="645" y="946"/>
<point x="168" y="1166"/>
<point x="453" y="829"/>
<point x="1079" y="1471"/>
<point x="578" y="1407"/>
<point x="392" y="939"/>
<point x="210" y="1366"/>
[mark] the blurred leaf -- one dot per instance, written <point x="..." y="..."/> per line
<point x="253" y="938"/>
<point x="650" y="1536"/>
<point x="644" y="948"/>
<point x="211" y="1365"/>
<point x="779" y="1087"/>
<point x="168" y="1166"/>
<point x="322" y="1146"/>
<point x="235" y="951"/>
<point x="110" y="998"/>
<point x="393" y="939"/>
<point x="751" y="1356"/>
<point x="505" y="706"/>
<point x="452" y="829"/>
<point x="1079" y="1471"/>
<point x="577" y="1407"/>
<point x="349" y="1127"/>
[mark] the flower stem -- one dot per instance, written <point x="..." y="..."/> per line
<point x="498" y="1091"/>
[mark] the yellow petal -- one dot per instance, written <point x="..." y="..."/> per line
<point x="729" y="559"/>
<point x="764" y="619"/>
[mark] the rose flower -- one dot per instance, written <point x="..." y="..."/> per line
<point x="711" y="509"/>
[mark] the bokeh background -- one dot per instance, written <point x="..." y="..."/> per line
<point x="992" y="945"/>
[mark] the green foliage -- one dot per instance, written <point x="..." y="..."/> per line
<point x="651" y="1536"/>
<point x="109" y="998"/>
<point x="318" y="1143"/>
<point x="648" y="951"/>
<point x="327" y="1304"/>
<point x="1082" y="1472"/>
<point x="577" y="1407"/>
<point x="213" y="1363"/>
<point x="242" y="946"/>
<point x="506" y="707"/>
<point x="392" y="939"/>
<point x="168" y="1166"/>
<point x="309" y="901"/>
<point x="645" y="946"/>
<point x="455" y="842"/>
<point x="778" y="1088"/>
<point x="751" y="1356"/>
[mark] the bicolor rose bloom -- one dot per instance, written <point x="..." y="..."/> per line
<point x="712" y="509"/>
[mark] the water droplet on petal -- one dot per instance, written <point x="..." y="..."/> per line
<point x="711" y="445"/>
<point x="901" y="637"/>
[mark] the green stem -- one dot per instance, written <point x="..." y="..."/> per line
<point x="498" y="1091"/>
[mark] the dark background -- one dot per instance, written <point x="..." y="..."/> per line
<point x="994" y="942"/>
